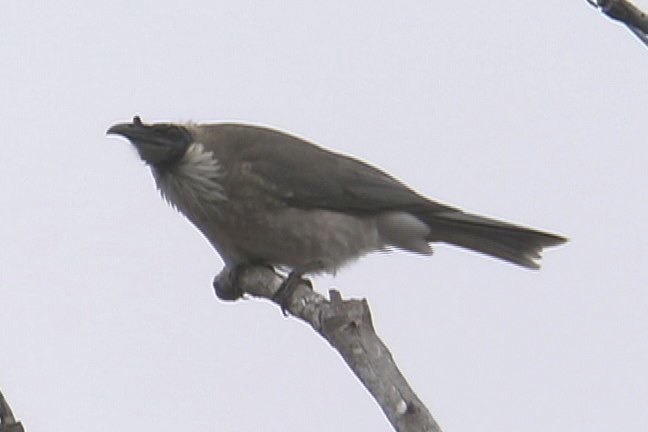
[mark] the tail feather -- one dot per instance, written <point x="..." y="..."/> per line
<point x="518" y="245"/>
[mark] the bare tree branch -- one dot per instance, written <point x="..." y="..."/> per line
<point x="626" y="13"/>
<point x="347" y="326"/>
<point x="8" y="422"/>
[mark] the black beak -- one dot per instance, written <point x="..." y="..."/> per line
<point x="157" y="144"/>
<point x="133" y="131"/>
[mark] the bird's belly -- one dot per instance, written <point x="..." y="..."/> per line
<point x="311" y="241"/>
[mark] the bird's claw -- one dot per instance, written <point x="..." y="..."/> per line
<point x="284" y="294"/>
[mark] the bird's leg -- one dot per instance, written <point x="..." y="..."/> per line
<point x="287" y="288"/>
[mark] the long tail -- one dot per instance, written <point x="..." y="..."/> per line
<point x="506" y="241"/>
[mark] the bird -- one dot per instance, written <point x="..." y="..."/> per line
<point x="261" y="196"/>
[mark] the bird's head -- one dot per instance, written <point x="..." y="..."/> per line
<point x="159" y="145"/>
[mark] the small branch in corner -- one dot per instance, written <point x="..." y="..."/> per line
<point x="626" y="13"/>
<point x="8" y="422"/>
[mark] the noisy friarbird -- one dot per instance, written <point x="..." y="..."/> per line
<point x="261" y="196"/>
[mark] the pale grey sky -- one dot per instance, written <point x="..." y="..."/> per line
<point x="534" y="112"/>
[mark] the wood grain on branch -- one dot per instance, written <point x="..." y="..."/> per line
<point x="348" y="327"/>
<point x="626" y="13"/>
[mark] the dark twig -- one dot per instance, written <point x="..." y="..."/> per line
<point x="626" y="13"/>
<point x="348" y="327"/>
<point x="8" y="422"/>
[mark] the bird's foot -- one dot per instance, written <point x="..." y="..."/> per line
<point x="287" y="288"/>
